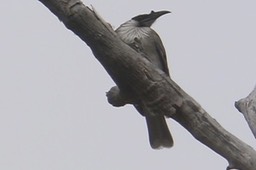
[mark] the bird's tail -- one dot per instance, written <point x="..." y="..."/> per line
<point x="159" y="134"/>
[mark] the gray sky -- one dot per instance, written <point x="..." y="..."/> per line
<point x="53" y="111"/>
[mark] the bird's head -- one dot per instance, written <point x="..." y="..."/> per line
<point x="146" y="20"/>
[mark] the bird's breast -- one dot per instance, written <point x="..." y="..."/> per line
<point x="143" y="40"/>
<point x="129" y="35"/>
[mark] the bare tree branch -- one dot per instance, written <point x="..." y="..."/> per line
<point x="137" y="79"/>
<point x="247" y="106"/>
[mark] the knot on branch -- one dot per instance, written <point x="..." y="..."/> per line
<point x="117" y="98"/>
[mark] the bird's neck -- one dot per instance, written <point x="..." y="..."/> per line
<point x="130" y="30"/>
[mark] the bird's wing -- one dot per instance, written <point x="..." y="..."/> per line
<point x="161" y="52"/>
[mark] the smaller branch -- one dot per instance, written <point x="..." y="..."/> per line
<point x="247" y="106"/>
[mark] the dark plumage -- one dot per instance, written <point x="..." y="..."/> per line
<point x="138" y="34"/>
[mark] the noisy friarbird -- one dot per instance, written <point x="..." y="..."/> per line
<point x="138" y="35"/>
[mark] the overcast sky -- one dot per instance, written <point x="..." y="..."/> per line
<point x="53" y="111"/>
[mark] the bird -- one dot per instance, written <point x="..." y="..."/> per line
<point x="139" y="35"/>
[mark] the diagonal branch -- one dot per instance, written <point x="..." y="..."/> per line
<point x="137" y="79"/>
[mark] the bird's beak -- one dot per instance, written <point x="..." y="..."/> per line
<point x="148" y="19"/>
<point x="154" y="15"/>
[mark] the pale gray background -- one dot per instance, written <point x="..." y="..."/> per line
<point x="53" y="110"/>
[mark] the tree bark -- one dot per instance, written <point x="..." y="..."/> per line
<point x="137" y="79"/>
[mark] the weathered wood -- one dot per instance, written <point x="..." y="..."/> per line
<point x="137" y="79"/>
<point x="247" y="106"/>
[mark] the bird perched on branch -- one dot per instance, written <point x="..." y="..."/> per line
<point x="138" y="35"/>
